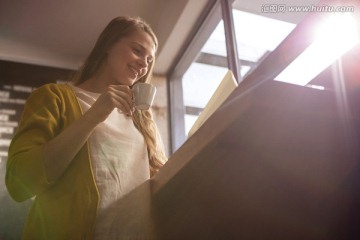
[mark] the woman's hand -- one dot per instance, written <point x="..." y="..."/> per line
<point x="59" y="152"/>
<point x="114" y="96"/>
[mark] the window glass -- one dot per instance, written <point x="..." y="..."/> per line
<point x="204" y="75"/>
<point x="256" y="36"/>
<point x="200" y="82"/>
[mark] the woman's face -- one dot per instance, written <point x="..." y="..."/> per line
<point x="130" y="58"/>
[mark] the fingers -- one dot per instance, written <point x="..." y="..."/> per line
<point x="122" y="98"/>
<point x="115" y="96"/>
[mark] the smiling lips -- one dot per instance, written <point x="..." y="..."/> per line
<point x="134" y="70"/>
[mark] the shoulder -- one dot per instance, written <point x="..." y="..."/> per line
<point x="51" y="94"/>
<point x="55" y="88"/>
<point x="53" y="99"/>
<point x="53" y="91"/>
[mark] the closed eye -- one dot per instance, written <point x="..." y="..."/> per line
<point x="141" y="51"/>
<point x="137" y="51"/>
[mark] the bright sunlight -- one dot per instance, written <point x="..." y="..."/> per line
<point x="334" y="37"/>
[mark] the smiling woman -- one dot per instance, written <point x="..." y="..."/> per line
<point x="76" y="154"/>
<point x="127" y="61"/>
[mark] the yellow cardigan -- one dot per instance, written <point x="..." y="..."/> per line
<point x="65" y="209"/>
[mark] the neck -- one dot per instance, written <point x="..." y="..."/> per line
<point x="96" y="84"/>
<point x="91" y="85"/>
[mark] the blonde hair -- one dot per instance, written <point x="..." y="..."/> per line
<point x="143" y="120"/>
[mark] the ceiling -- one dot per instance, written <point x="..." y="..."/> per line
<point x="61" y="33"/>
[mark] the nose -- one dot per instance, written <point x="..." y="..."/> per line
<point x="143" y="66"/>
<point x="142" y="62"/>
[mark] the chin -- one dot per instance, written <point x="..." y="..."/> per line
<point x="133" y="82"/>
<point x="127" y="82"/>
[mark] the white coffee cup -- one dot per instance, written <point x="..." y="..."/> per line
<point x="143" y="95"/>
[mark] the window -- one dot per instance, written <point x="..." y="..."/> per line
<point x="204" y="75"/>
<point x="254" y="42"/>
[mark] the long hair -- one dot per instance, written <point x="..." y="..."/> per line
<point x="118" y="28"/>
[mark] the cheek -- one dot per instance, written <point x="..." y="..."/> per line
<point x="117" y="64"/>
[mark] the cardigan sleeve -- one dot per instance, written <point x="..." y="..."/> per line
<point x="40" y="122"/>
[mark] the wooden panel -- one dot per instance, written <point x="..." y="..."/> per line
<point x="277" y="163"/>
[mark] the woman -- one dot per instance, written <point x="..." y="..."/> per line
<point x="81" y="147"/>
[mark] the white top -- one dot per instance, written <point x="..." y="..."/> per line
<point x="119" y="160"/>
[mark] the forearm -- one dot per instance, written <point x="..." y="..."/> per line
<point x="60" y="151"/>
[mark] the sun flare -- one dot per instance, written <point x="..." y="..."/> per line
<point x="333" y="37"/>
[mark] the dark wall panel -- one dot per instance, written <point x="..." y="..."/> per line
<point x="17" y="81"/>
